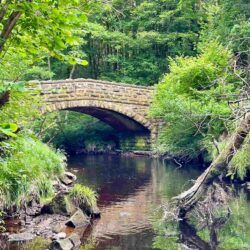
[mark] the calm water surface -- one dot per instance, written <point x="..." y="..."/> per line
<point x="131" y="191"/>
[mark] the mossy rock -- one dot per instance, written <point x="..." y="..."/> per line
<point x="60" y="204"/>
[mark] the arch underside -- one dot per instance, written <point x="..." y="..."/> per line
<point x="118" y="118"/>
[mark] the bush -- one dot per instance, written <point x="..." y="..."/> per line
<point x="193" y="100"/>
<point x="27" y="169"/>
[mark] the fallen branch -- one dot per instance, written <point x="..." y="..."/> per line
<point x="219" y="166"/>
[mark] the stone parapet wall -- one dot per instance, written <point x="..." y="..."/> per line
<point x="88" y="89"/>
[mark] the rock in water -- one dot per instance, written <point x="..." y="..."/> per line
<point x="65" y="244"/>
<point x="95" y="212"/>
<point x="21" y="237"/>
<point x="78" y="219"/>
<point x="75" y="239"/>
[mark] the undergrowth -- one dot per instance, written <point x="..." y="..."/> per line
<point x="240" y="164"/>
<point x="28" y="167"/>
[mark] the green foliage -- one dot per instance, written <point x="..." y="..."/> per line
<point x="240" y="164"/>
<point x="227" y="21"/>
<point x="27" y="168"/>
<point x="37" y="73"/>
<point x="75" y="132"/>
<point x="83" y="196"/>
<point x="193" y="100"/>
<point x="129" y="41"/>
<point x="8" y="129"/>
<point x="38" y="243"/>
<point x="51" y="26"/>
<point x="21" y="109"/>
<point x="89" y="245"/>
<point x="235" y="234"/>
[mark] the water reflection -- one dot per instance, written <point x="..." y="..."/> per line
<point x="130" y="190"/>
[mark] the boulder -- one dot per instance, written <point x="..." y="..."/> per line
<point x="21" y="237"/>
<point x="68" y="178"/>
<point x="78" y="219"/>
<point x="95" y="212"/>
<point x="59" y="236"/>
<point x="59" y="205"/>
<point x="75" y="239"/>
<point x="64" y="244"/>
<point x="71" y="176"/>
<point x="57" y="227"/>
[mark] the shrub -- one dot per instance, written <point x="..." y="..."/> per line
<point x="193" y="100"/>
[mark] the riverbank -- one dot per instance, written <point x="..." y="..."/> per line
<point x="132" y="192"/>
<point x="61" y="221"/>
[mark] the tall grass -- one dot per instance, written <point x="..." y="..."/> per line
<point x="83" y="197"/>
<point x="27" y="169"/>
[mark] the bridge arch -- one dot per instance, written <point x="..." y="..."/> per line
<point x="117" y="116"/>
<point x="123" y="106"/>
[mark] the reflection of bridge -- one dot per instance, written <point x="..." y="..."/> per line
<point x="123" y="106"/>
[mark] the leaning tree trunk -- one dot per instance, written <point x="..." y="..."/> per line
<point x="189" y="198"/>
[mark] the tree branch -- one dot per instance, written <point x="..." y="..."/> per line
<point x="8" y="27"/>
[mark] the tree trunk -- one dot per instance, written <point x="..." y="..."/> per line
<point x="72" y="72"/>
<point x="219" y="166"/>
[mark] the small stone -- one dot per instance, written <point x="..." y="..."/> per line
<point x="78" y="219"/>
<point x="21" y="237"/>
<point x="64" y="244"/>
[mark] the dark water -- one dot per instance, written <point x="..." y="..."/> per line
<point x="131" y="191"/>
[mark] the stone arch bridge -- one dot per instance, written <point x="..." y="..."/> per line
<point x="125" y="107"/>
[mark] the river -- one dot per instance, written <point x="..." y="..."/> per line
<point x="131" y="192"/>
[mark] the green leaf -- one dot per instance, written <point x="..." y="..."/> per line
<point x="84" y="63"/>
<point x="9" y="129"/>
